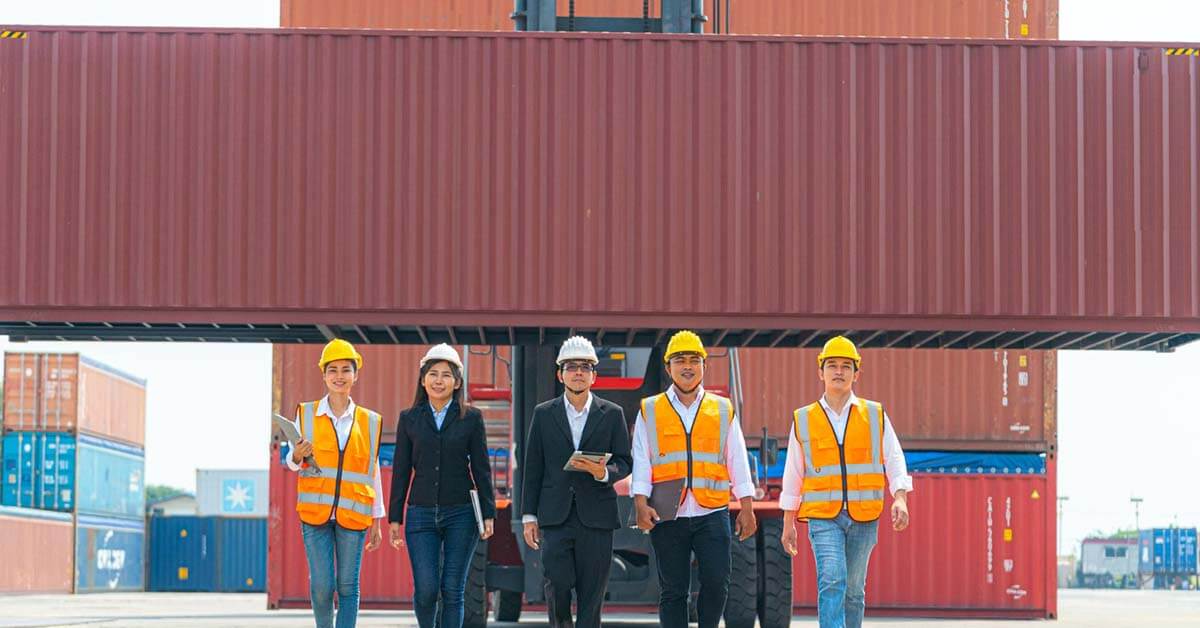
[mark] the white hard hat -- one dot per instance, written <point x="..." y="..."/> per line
<point x="577" y="348"/>
<point x="442" y="352"/>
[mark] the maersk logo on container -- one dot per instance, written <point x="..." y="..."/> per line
<point x="238" y="496"/>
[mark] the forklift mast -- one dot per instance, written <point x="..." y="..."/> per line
<point x="674" y="16"/>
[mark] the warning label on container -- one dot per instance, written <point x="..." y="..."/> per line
<point x="1016" y="592"/>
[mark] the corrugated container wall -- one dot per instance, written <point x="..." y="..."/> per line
<point x="110" y="478"/>
<point x="37" y="550"/>
<point x="969" y="166"/>
<point x="63" y="392"/>
<point x="979" y="546"/>
<point x="936" y="399"/>
<point x="109" y="554"/>
<point x="39" y="470"/>
<point x="1167" y="551"/>
<point x="998" y="19"/>
<point x="232" y="492"/>
<point x="207" y="554"/>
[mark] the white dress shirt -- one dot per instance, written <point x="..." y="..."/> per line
<point x="577" y="420"/>
<point x="736" y="460"/>
<point x="342" y="425"/>
<point x="894" y="465"/>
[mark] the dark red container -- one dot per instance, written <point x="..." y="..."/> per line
<point x="978" y="546"/>
<point x="961" y="170"/>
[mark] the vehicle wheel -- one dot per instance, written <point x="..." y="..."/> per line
<point x="475" y="601"/>
<point x="774" y="577"/>
<point x="741" y="607"/>
<point x="506" y="606"/>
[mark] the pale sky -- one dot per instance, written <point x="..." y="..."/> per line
<point x="1127" y="421"/>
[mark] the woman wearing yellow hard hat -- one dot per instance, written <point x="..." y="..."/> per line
<point x="441" y="457"/>
<point x="340" y="499"/>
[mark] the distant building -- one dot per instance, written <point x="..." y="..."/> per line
<point x="1108" y="563"/>
<point x="176" y="505"/>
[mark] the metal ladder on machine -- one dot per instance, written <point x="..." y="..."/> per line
<point x="496" y="405"/>
<point x="768" y="448"/>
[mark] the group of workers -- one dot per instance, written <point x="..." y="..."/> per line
<point x="688" y="462"/>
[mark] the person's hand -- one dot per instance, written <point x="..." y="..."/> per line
<point x="597" y="469"/>
<point x="302" y="450"/>
<point x="746" y="524"/>
<point x="489" y="527"/>
<point x="395" y="535"/>
<point x="900" y="513"/>
<point x="374" y="536"/>
<point x="646" y="517"/>
<point x="531" y="535"/>
<point x="789" y="537"/>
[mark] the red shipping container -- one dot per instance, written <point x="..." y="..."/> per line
<point x="962" y="162"/>
<point x="981" y="400"/>
<point x="66" y="392"/>
<point x="978" y="546"/>
<point x="877" y="18"/>
<point x="37" y="548"/>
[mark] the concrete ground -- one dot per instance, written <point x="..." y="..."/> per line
<point x="1077" y="608"/>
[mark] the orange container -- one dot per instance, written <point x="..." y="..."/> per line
<point x="998" y="19"/>
<point x="66" y="392"/>
<point x="38" y="550"/>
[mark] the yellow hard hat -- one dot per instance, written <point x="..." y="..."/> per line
<point x="339" y="349"/>
<point x="839" y="347"/>
<point x="685" y="342"/>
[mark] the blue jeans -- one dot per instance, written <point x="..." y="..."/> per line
<point x="842" y="547"/>
<point x="674" y="542"/>
<point x="326" y="546"/>
<point x="441" y="541"/>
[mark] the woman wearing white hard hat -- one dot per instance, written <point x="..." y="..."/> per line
<point x="339" y="496"/>
<point x="441" y="456"/>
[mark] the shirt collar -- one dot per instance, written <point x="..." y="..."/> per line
<point x="673" y="395"/>
<point x="849" y="402"/>
<point x="443" y="411"/>
<point x="587" y="404"/>
<point x="323" y="408"/>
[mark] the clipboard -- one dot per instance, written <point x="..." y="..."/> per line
<point x="665" y="498"/>
<point x="283" y="424"/>
<point x="593" y="456"/>
<point x="478" y="511"/>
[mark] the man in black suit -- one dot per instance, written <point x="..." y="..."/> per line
<point x="574" y="512"/>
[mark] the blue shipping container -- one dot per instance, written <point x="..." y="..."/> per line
<point x="39" y="470"/>
<point x="208" y="554"/>
<point x="110" y="478"/>
<point x="1167" y="551"/>
<point x="109" y="554"/>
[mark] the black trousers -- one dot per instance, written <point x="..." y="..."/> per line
<point x="709" y="539"/>
<point x="576" y="557"/>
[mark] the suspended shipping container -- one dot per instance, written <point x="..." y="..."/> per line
<point x="109" y="554"/>
<point x="39" y="470"/>
<point x="878" y="18"/>
<point x="232" y="492"/>
<point x="36" y="551"/>
<point x="207" y="554"/>
<point x="979" y="545"/>
<point x="65" y="392"/>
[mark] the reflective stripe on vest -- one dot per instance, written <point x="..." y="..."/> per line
<point x="327" y="500"/>
<point x="355" y="493"/>
<point x="825" y="501"/>
<point x="709" y="476"/>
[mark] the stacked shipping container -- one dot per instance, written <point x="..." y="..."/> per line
<point x="74" y="433"/>
<point x="36" y="546"/>
<point x="207" y="554"/>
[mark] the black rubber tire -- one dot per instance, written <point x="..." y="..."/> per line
<point x="475" y="599"/>
<point x="774" y="577"/>
<point x="506" y="606"/>
<point x="741" y="607"/>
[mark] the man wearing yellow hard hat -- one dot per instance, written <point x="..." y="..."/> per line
<point x="840" y="451"/>
<point x="339" y="495"/>
<point x="689" y="459"/>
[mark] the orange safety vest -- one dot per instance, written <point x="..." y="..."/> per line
<point x="347" y="481"/>
<point x="841" y="476"/>
<point x="698" y="456"/>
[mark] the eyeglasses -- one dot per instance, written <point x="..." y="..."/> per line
<point x="578" y="367"/>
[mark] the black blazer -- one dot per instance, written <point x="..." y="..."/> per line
<point x="547" y="490"/>
<point x="443" y="466"/>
